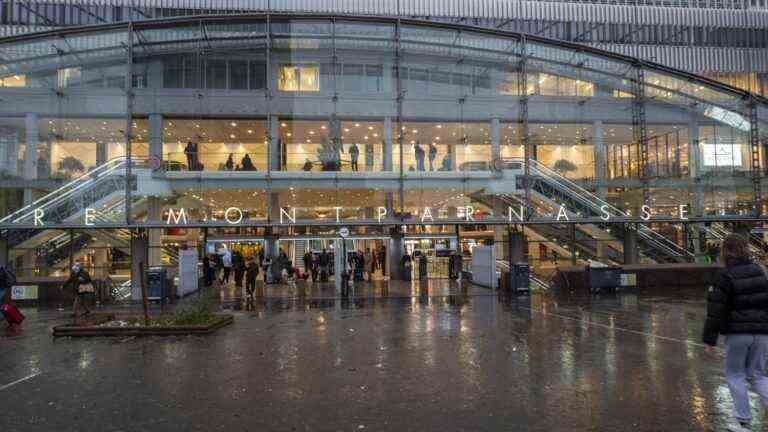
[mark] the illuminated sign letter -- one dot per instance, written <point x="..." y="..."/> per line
<point x="427" y="214"/>
<point x="291" y="217"/>
<point x="239" y="215"/>
<point x="605" y="216"/>
<point x="182" y="216"/>
<point x="520" y="215"/>
<point x="39" y="213"/>
<point x="90" y="215"/>
<point x="562" y="213"/>
<point x="683" y="211"/>
<point x="338" y="217"/>
<point x="469" y="212"/>
<point x="646" y="210"/>
<point x="381" y="212"/>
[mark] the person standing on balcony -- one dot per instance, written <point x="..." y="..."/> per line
<point x="230" y="164"/>
<point x="419" y="153"/>
<point x="736" y="308"/>
<point x="246" y="164"/>
<point x="189" y="152"/>
<point x="432" y="156"/>
<point x="354" y="154"/>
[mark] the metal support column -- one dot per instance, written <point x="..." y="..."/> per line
<point x="128" y="125"/>
<point x="754" y="150"/>
<point x="639" y="131"/>
<point x="522" y="92"/>
<point x="400" y="95"/>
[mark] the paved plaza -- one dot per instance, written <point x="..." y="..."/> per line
<point x="430" y="356"/>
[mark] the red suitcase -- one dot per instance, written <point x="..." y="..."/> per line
<point x="12" y="313"/>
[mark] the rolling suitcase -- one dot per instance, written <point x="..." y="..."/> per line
<point x="12" y="314"/>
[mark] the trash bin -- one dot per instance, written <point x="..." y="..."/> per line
<point x="521" y="277"/>
<point x="157" y="283"/>
<point x="604" y="278"/>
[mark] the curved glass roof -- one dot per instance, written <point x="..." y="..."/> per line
<point x="102" y="44"/>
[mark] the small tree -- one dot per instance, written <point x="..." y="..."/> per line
<point x="564" y="166"/>
<point x="71" y="166"/>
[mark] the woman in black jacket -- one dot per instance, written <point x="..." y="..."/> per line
<point x="737" y="307"/>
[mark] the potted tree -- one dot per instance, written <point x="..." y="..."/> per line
<point x="71" y="166"/>
<point x="564" y="166"/>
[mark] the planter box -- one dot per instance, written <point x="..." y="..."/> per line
<point x="92" y="328"/>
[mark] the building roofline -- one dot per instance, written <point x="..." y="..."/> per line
<point x="245" y="17"/>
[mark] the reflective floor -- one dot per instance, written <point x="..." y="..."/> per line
<point x="464" y="361"/>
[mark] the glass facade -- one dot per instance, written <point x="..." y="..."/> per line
<point x="294" y="124"/>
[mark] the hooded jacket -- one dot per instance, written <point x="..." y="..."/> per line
<point x="738" y="303"/>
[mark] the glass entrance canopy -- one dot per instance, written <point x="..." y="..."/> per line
<point x="306" y="119"/>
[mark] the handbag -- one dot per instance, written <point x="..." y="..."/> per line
<point x="85" y="288"/>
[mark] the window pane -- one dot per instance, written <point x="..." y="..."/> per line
<point x="216" y="74"/>
<point x="258" y="75"/>
<point x="373" y="78"/>
<point x="173" y="72"/>
<point x="289" y="78"/>
<point x="310" y="78"/>
<point x="353" y="77"/>
<point x="238" y="74"/>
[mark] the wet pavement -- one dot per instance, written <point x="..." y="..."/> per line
<point x="467" y="360"/>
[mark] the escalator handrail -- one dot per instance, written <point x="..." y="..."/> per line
<point x="596" y="203"/>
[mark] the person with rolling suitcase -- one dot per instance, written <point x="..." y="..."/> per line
<point x="12" y="314"/>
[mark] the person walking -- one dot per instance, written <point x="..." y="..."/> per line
<point x="207" y="271"/>
<point x="265" y="268"/>
<point x="251" y="272"/>
<point x="7" y="308"/>
<point x="736" y="307"/>
<point x="354" y="154"/>
<point x="226" y="263"/>
<point x="432" y="156"/>
<point x="324" y="259"/>
<point x="383" y="259"/>
<point x="82" y="285"/>
<point x="238" y="265"/>
<point x="309" y="265"/>
<point x="368" y="262"/>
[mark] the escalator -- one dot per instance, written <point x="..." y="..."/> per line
<point x="718" y="231"/>
<point x="549" y="186"/>
<point x="102" y="189"/>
